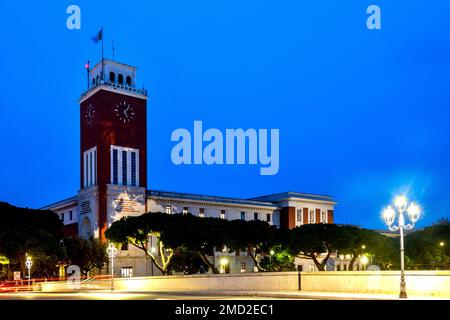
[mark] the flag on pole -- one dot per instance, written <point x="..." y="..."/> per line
<point x="99" y="36"/>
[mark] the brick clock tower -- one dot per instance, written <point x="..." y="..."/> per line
<point x="113" y="148"/>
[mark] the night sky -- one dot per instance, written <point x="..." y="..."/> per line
<point x="363" y="114"/>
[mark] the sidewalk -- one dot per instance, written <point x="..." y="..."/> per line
<point x="293" y="295"/>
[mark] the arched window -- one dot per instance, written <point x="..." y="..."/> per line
<point x="129" y="81"/>
<point x="120" y="79"/>
<point x="93" y="81"/>
<point x="112" y="77"/>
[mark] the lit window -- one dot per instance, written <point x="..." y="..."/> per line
<point x="299" y="221"/>
<point x="185" y="210"/>
<point x="127" y="272"/>
<point x="124" y="166"/>
<point x="168" y="209"/>
<point x="133" y="169"/>
<point x="312" y="216"/>
<point x="201" y="212"/>
<point x="115" y="160"/>
<point x="90" y="167"/>
<point x="242" y="215"/>
<point x="323" y="216"/>
<point x="222" y="214"/>
<point x="243" y="267"/>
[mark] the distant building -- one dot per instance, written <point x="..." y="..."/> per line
<point x="113" y="177"/>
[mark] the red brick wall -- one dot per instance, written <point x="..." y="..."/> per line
<point x="305" y="215"/>
<point x="287" y="217"/>
<point x="330" y="216"/>
<point x="317" y="215"/>
<point x="107" y="130"/>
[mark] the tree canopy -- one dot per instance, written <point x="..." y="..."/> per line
<point x="33" y="232"/>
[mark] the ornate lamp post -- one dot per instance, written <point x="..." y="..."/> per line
<point x="112" y="251"/>
<point x="389" y="214"/>
<point x="29" y="264"/>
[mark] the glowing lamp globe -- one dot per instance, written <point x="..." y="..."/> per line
<point x="400" y="202"/>
<point x="413" y="212"/>
<point x="389" y="215"/>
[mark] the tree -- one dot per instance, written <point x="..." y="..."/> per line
<point x="167" y="229"/>
<point x="278" y="260"/>
<point x="313" y="240"/>
<point x="36" y="232"/>
<point x="362" y="241"/>
<point x="255" y="237"/>
<point x="428" y="248"/>
<point x="87" y="254"/>
<point x="204" y="236"/>
<point x="188" y="262"/>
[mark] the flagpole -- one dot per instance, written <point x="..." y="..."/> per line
<point x="103" y="73"/>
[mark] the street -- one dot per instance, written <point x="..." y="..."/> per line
<point x="123" y="296"/>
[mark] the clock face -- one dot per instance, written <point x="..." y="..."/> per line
<point x="89" y="114"/>
<point x="124" y="111"/>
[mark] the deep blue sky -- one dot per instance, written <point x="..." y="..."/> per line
<point x="362" y="114"/>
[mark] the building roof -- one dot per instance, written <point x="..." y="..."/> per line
<point x="293" y="195"/>
<point x="207" y="198"/>
<point x="61" y="203"/>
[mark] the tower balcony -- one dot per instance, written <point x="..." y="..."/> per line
<point x="113" y="85"/>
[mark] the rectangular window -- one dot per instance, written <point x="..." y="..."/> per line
<point x="299" y="221"/>
<point x="185" y="210"/>
<point x="127" y="272"/>
<point x="222" y="214"/>
<point x="124" y="168"/>
<point x="62" y="217"/>
<point x="86" y="169"/>
<point x="115" y="168"/>
<point x="168" y="209"/>
<point x="201" y="212"/>
<point x="133" y="169"/>
<point x="255" y="216"/>
<point x="90" y="167"/>
<point x="268" y="217"/>
<point x="323" y="216"/>
<point x="242" y="215"/>
<point x="312" y="216"/>
<point x="70" y="216"/>
<point x="95" y="167"/>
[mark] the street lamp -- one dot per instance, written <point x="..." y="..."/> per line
<point x="223" y="264"/>
<point x="29" y="264"/>
<point x="364" y="261"/>
<point x="389" y="214"/>
<point x="271" y="254"/>
<point x="112" y="251"/>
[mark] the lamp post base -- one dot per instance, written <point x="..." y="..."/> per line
<point x="403" y="294"/>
